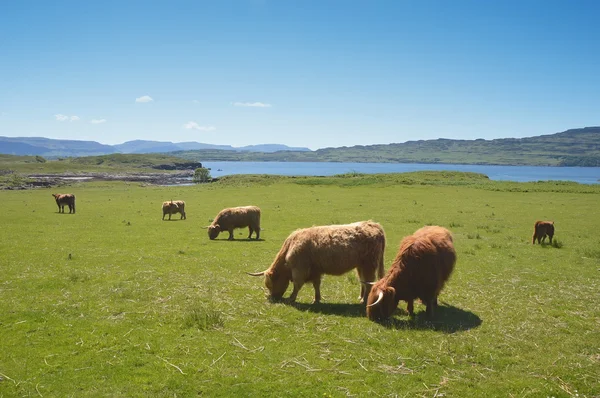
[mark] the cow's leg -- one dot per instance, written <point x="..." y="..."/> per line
<point x="298" y="279"/>
<point x="550" y="238"/>
<point x="250" y="232"/>
<point x="163" y="217"/>
<point x="411" y="308"/>
<point x="317" y="285"/>
<point x="230" y="234"/>
<point x="257" y="232"/>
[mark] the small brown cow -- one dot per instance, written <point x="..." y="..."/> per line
<point x="236" y="217"/>
<point x="65" y="199"/>
<point x="423" y="264"/>
<point x="309" y="253"/>
<point x="541" y="230"/>
<point x="174" y="207"/>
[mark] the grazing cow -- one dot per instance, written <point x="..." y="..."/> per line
<point x="65" y="199"/>
<point x="309" y="253"/>
<point x="236" y="217"/>
<point x="541" y="230"/>
<point x="174" y="207"/>
<point x="422" y="266"/>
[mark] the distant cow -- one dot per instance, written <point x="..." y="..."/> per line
<point x="236" y="217"/>
<point x="65" y="199"/>
<point x="541" y="230"/>
<point x="174" y="207"/>
<point x="423" y="264"/>
<point x="309" y="253"/>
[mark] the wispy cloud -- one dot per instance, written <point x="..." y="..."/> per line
<point x="196" y="126"/>
<point x="63" y="118"/>
<point x="145" y="98"/>
<point x="252" y="104"/>
<point x="2" y="114"/>
<point x="195" y="101"/>
<point x="98" y="121"/>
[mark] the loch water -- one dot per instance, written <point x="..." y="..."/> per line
<point x="583" y="175"/>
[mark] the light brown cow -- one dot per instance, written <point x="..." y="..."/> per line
<point x="174" y="207"/>
<point x="66" y="199"/>
<point x="541" y="230"/>
<point x="236" y="217"/>
<point x="309" y="253"/>
<point x="423" y="264"/>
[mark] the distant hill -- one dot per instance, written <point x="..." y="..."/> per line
<point x="576" y="147"/>
<point x="27" y="146"/>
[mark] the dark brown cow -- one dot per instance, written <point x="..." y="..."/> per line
<point x="541" y="230"/>
<point x="423" y="264"/>
<point x="236" y="217"/>
<point x="66" y="199"/>
<point x="309" y="253"/>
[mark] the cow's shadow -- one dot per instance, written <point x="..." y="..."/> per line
<point x="447" y="318"/>
<point x="342" y="309"/>
<point x="238" y="240"/>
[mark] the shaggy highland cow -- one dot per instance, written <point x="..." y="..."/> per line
<point x="422" y="266"/>
<point x="541" y="230"/>
<point x="236" y="217"/>
<point x="66" y="199"/>
<point x="309" y="253"/>
<point x="174" y="207"/>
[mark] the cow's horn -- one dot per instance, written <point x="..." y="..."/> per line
<point x="205" y="227"/>
<point x="256" y="273"/>
<point x="367" y="283"/>
<point x="378" y="299"/>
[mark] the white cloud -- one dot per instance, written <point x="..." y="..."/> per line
<point x="63" y="118"/>
<point x="145" y="98"/>
<point x="252" y="104"/>
<point x="98" y="121"/>
<point x="196" y="126"/>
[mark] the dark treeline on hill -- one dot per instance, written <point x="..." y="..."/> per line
<point x="576" y="147"/>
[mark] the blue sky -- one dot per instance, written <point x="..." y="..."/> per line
<point x="301" y="73"/>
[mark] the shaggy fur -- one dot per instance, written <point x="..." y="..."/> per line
<point x="541" y="230"/>
<point x="174" y="207"/>
<point x="66" y="199"/>
<point x="309" y="253"/>
<point x="423" y="264"/>
<point x="236" y="217"/>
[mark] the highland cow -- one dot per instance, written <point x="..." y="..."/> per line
<point x="423" y="264"/>
<point x="236" y="217"/>
<point x="309" y="253"/>
<point x="66" y="199"/>
<point x="174" y="207"/>
<point x="541" y="230"/>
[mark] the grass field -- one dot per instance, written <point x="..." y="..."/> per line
<point x="112" y="301"/>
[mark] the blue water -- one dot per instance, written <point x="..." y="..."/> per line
<point x="584" y="175"/>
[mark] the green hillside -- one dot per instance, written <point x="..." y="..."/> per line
<point x="577" y="147"/>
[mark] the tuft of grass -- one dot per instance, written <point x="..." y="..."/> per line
<point x="203" y="318"/>
<point x="455" y="225"/>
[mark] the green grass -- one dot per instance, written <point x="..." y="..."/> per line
<point x="112" y="301"/>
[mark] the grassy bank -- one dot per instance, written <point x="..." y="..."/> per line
<point x="112" y="301"/>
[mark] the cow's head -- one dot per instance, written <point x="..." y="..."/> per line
<point x="276" y="282"/>
<point x="213" y="231"/>
<point x="381" y="303"/>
